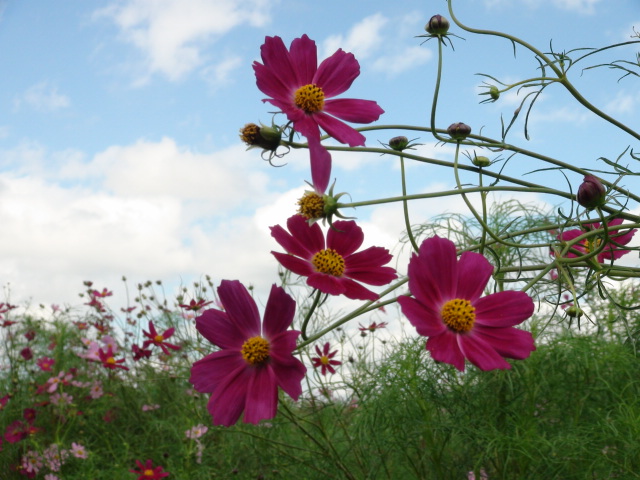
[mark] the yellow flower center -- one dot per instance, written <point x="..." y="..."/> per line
<point x="592" y="246"/>
<point x="329" y="261"/>
<point x="148" y="473"/>
<point x="324" y="360"/>
<point x="158" y="338"/>
<point x="459" y="315"/>
<point x="255" y="350"/>
<point x="311" y="205"/>
<point x="309" y="98"/>
<point x="111" y="360"/>
<point x="250" y="134"/>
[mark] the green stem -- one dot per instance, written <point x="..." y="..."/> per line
<point x="405" y="207"/>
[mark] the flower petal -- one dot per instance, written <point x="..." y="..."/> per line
<point x="481" y="353"/>
<point x="445" y="348"/>
<point x="228" y="400"/>
<point x="503" y="309"/>
<point x="366" y="266"/>
<point x="336" y="73"/>
<point x="294" y="264"/>
<point x="345" y="238"/>
<point x="433" y="272"/>
<point x="474" y="271"/>
<point x="326" y="283"/>
<point x="215" y="326"/>
<point x="262" y="396"/>
<point x="278" y="313"/>
<point x="355" y="291"/>
<point x="339" y="130"/>
<point x="353" y="109"/>
<point x="320" y="159"/>
<point x="277" y="60"/>
<point x="509" y="342"/>
<point x="428" y="323"/>
<point x="240" y="307"/>
<point x="304" y="57"/>
<point x="208" y="372"/>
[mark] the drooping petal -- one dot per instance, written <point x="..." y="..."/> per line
<point x="353" y="110"/>
<point x="208" y="372"/>
<point x="474" y="271"/>
<point x="355" y="291"/>
<point x="427" y="322"/>
<point x="339" y="130"/>
<point x="320" y="159"/>
<point x="481" y="353"/>
<point x="444" y="348"/>
<point x="294" y="264"/>
<point x="262" y="396"/>
<point x="345" y="237"/>
<point x="304" y="56"/>
<point x="503" y="309"/>
<point x="336" y="73"/>
<point x="278" y="313"/>
<point x="240" y="307"/>
<point x="508" y="342"/>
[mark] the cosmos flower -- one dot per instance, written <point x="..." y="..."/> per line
<point x="324" y="360"/>
<point x="613" y="248"/>
<point x="333" y="266"/>
<point x="146" y="471"/>
<point x="303" y="91"/>
<point x="373" y="327"/>
<point x="159" y="339"/>
<point x="108" y="360"/>
<point x="254" y="358"/>
<point x="447" y="307"/>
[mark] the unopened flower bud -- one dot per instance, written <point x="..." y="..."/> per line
<point x="481" y="161"/>
<point x="574" y="312"/>
<point x="591" y="193"/>
<point x="437" y="25"/>
<point x="459" y="131"/>
<point x="494" y="93"/>
<point x="399" y="143"/>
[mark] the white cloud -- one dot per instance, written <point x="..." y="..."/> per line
<point x="622" y="103"/>
<point x="399" y="62"/>
<point x="172" y="34"/>
<point x="220" y="74"/>
<point x="363" y="38"/>
<point x="42" y="97"/>
<point x="586" y="7"/>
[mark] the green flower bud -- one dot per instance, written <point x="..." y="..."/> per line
<point x="494" y="93"/>
<point x="267" y="138"/>
<point x="481" y="161"/>
<point x="574" y="312"/>
<point x="437" y="25"/>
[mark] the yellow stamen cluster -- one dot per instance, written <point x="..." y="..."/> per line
<point x="158" y="338"/>
<point x="250" y="134"/>
<point x="110" y="361"/>
<point x="311" y="205"/>
<point x="324" y="360"/>
<point x="309" y="98"/>
<point x="255" y="351"/>
<point x="149" y="473"/>
<point x="329" y="261"/>
<point x="459" y="315"/>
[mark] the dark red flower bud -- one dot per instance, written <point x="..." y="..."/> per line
<point x="591" y="193"/>
<point x="437" y="25"/>
<point x="459" y="131"/>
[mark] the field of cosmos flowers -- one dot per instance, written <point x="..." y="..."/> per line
<point x="505" y="348"/>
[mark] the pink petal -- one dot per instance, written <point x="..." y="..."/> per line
<point x="320" y="159"/>
<point x="229" y="398"/>
<point x="207" y="373"/>
<point x="508" y="342"/>
<point x="240" y="307"/>
<point x="262" y="396"/>
<point x="291" y="244"/>
<point x="294" y="264"/>
<point x="304" y="57"/>
<point x="310" y="236"/>
<point x="326" y="283"/>
<point x="366" y="266"/>
<point x="283" y="344"/>
<point x="503" y="309"/>
<point x="427" y="322"/>
<point x="277" y="60"/>
<point x="433" y="273"/>
<point x="346" y="237"/>
<point x="445" y="348"/>
<point x="278" y="313"/>
<point x="355" y="291"/>
<point x="336" y="73"/>
<point x="339" y="130"/>
<point x="474" y="271"/>
<point x="481" y="353"/>
<point x="353" y="110"/>
<point x="270" y="84"/>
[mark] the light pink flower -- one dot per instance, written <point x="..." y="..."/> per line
<point x="147" y="408"/>
<point x="254" y="358"/>
<point x="78" y="451"/>
<point x="448" y="308"/>
<point x="303" y="91"/>
<point x="196" y="432"/>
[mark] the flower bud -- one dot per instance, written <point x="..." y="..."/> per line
<point x="574" y="312"/>
<point x="481" y="161"/>
<point x="399" y="143"/>
<point x="591" y="193"/>
<point x="494" y="93"/>
<point x="437" y="25"/>
<point x="459" y="131"/>
<point x="267" y="138"/>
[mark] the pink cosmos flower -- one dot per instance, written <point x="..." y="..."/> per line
<point x="303" y="91"/>
<point x="196" y="432"/>
<point x="78" y="451"/>
<point x="373" y="327"/>
<point x="448" y="308"/>
<point x="45" y="363"/>
<point x="333" y="267"/>
<point x="148" y="472"/>
<point x="108" y="360"/>
<point x="159" y="339"/>
<point x="254" y="359"/>
<point x="325" y="359"/>
<point x="613" y="245"/>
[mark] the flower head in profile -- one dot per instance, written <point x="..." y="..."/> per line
<point x="373" y="327"/>
<point x="255" y="358"/>
<point x="333" y="266"/>
<point x="303" y="90"/>
<point x="613" y="245"/>
<point x="325" y="360"/>
<point x="147" y="471"/>
<point x="158" y="339"/>
<point x="447" y="307"/>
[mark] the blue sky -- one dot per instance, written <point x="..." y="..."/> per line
<point x="119" y="149"/>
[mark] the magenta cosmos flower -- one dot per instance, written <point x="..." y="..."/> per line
<point x="333" y="267"/>
<point x="325" y="360"/>
<point x="253" y="360"/>
<point x="613" y="245"/>
<point x="448" y="308"/>
<point x="147" y="471"/>
<point x="158" y="339"/>
<point x="303" y="91"/>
